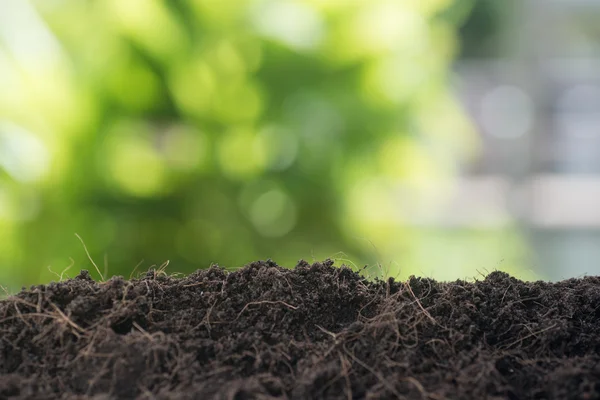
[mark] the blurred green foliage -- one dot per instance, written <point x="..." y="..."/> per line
<point x="208" y="131"/>
<point x="481" y="33"/>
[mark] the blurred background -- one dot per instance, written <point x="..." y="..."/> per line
<point x="437" y="138"/>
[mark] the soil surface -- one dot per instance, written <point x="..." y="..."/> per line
<point x="312" y="332"/>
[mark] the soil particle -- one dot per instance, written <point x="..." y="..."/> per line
<point x="312" y="332"/>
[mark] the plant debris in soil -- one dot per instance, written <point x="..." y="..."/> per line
<point x="312" y="332"/>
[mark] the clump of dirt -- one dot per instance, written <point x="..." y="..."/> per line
<point x="312" y="332"/>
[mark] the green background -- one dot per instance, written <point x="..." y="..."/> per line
<point x="229" y="131"/>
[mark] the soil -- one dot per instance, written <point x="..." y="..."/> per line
<point x="312" y="332"/>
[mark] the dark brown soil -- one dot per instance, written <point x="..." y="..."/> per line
<point x="265" y="332"/>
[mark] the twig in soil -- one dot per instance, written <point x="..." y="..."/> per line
<point x="147" y="393"/>
<point x="90" y="257"/>
<point x="418" y="385"/>
<point x="217" y="371"/>
<point x="67" y="319"/>
<point x="528" y="336"/>
<point x="61" y="316"/>
<point x="407" y="285"/>
<point x="61" y="276"/>
<point x="207" y="318"/>
<point x="365" y="306"/>
<point x="19" y="300"/>
<point x="92" y="382"/>
<point x="87" y="350"/>
<point x="483" y="275"/>
<point x="504" y="295"/>
<point x="346" y="365"/>
<point x="344" y="373"/>
<point x="385" y="383"/>
<point x="291" y="289"/>
<point x="389" y="320"/>
<point x="143" y="331"/>
<point x="288" y="358"/>
<point x="265" y="302"/>
<point x="28" y="315"/>
<point x="201" y="283"/>
<point x="21" y="316"/>
<point x="135" y="269"/>
<point x="161" y="270"/>
<point x="333" y="335"/>
<point x="5" y="291"/>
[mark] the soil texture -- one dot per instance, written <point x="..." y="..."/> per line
<point x="313" y="332"/>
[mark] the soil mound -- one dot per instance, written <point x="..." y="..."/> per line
<point x="316" y="331"/>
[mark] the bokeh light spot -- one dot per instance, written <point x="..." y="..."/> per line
<point x="134" y="165"/>
<point x="290" y="22"/>
<point x="316" y="118"/>
<point x="151" y="24"/>
<point x="18" y="204"/>
<point x="240" y="155"/>
<point x="22" y="155"/>
<point x="281" y="146"/>
<point x="193" y="85"/>
<point x="507" y="112"/>
<point x="134" y="85"/>
<point x="185" y="148"/>
<point x="238" y="102"/>
<point x="273" y="213"/>
<point x="388" y="26"/>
